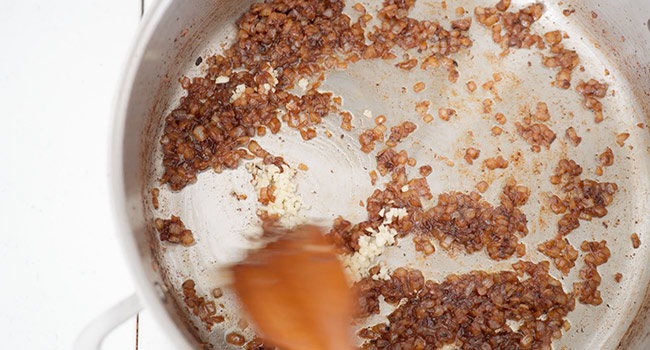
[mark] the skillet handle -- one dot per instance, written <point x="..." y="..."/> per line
<point x="93" y="334"/>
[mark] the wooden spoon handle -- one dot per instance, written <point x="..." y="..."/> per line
<point x="296" y="292"/>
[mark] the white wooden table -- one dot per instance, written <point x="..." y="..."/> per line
<point x="61" y="264"/>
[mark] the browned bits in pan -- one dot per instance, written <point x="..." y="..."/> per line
<point x="587" y="289"/>
<point x="430" y="61"/>
<point x="216" y="122"/>
<point x="261" y="131"/>
<point x="425" y="170"/>
<point x="422" y="107"/>
<point x="488" y="85"/>
<point x="591" y="92"/>
<point x="368" y="138"/>
<point x="466" y="221"/>
<point x="568" y="12"/>
<point x="205" y="310"/>
<point x="513" y="194"/>
<point x="583" y="198"/>
<point x="388" y="56"/>
<point x="497" y="38"/>
<point x="563" y="59"/>
<point x="500" y="118"/>
<point x="380" y="128"/>
<point x="471" y="86"/>
<point x="394" y="196"/>
<point x="572" y="136"/>
<point x="256" y="149"/>
<point x="224" y="109"/>
<point x="497" y="162"/>
<point x="557" y="205"/>
<point x="561" y="251"/>
<point x="398" y="133"/>
<point x="402" y="284"/>
<point x="453" y="75"/>
<point x="408" y="33"/>
<point x="373" y="177"/>
<point x="484" y="298"/>
<point x="553" y="37"/>
<point x="174" y="231"/>
<point x="607" y="158"/>
<point x="346" y="120"/>
<point x="154" y="198"/>
<point x="268" y="40"/>
<point x="618" y="277"/>
<point x="446" y="113"/>
<point x="541" y="112"/>
<point x="515" y="26"/>
<point x="517" y="35"/>
<point x="599" y="170"/>
<point x="487" y="105"/>
<point x="423" y="244"/>
<point x="308" y="133"/>
<point x="620" y="138"/>
<point x="535" y="134"/>
<point x="563" y="78"/>
<point x="482" y="186"/>
<point x="407" y="64"/>
<point x="636" y="242"/>
<point x="217" y="293"/>
<point x="189" y="148"/>
<point x="258" y="344"/>
<point x="503" y="5"/>
<point x="235" y="339"/>
<point x="238" y="196"/>
<point x="227" y="107"/>
<point x="412" y="162"/>
<point x="388" y="159"/>
<point x="363" y="20"/>
<point x="566" y="167"/>
<point x="471" y="154"/>
<point x="344" y="235"/>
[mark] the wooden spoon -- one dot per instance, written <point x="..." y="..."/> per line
<point x="296" y="292"/>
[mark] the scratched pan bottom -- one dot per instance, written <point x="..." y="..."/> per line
<point x="338" y="171"/>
